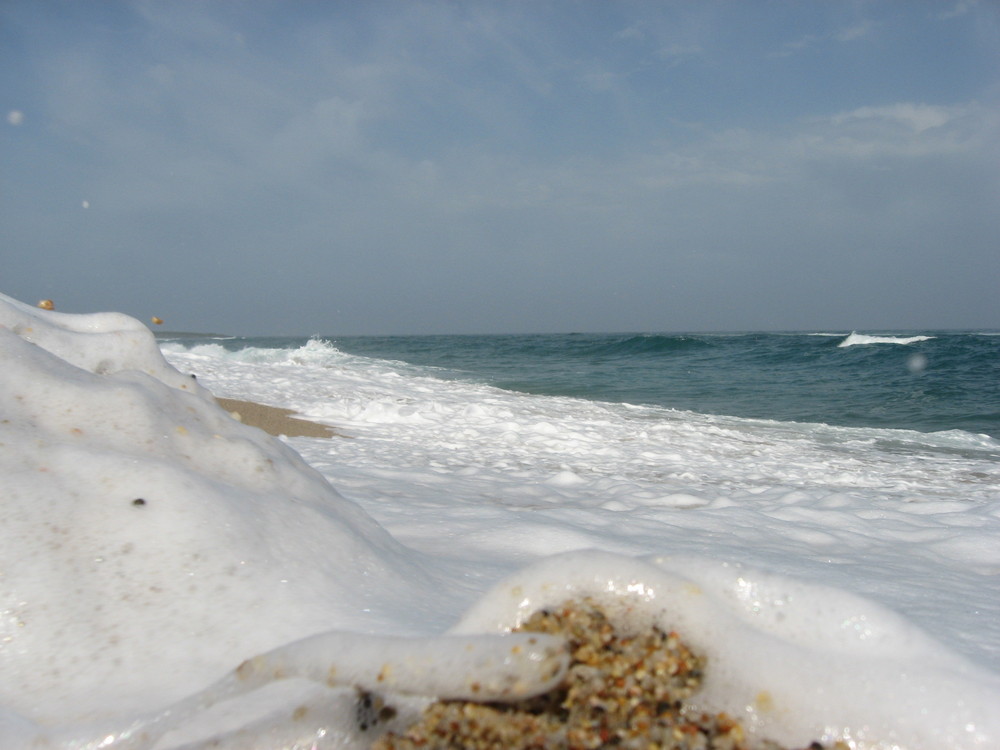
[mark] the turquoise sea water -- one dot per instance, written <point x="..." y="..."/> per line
<point x="927" y="381"/>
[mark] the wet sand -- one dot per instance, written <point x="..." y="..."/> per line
<point x="274" y="420"/>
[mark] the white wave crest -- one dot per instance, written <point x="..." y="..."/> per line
<point x="859" y="339"/>
<point x="315" y="353"/>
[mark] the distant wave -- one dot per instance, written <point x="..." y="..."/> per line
<point x="650" y="344"/>
<point x="859" y="339"/>
<point x="315" y="352"/>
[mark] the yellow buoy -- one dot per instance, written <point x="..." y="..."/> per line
<point x="46" y="304"/>
<point x="158" y="321"/>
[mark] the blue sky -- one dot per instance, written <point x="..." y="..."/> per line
<point x="484" y="167"/>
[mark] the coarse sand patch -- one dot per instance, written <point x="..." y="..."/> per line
<point x="622" y="690"/>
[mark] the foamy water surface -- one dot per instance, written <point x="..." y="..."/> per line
<point x="907" y="517"/>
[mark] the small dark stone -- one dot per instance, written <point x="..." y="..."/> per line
<point x="363" y="711"/>
<point x="663" y="707"/>
<point x="371" y="709"/>
<point x="138" y="501"/>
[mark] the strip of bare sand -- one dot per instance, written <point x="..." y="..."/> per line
<point x="274" y="420"/>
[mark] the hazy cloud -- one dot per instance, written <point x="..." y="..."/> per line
<point x="958" y="9"/>
<point x="679" y="50"/>
<point x="851" y="33"/>
<point x="480" y="167"/>
<point x="858" y="31"/>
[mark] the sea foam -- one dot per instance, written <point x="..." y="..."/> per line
<point x="170" y="577"/>
<point x="862" y="339"/>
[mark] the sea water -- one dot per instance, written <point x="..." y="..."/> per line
<point x="833" y="554"/>
<point x="928" y="381"/>
<point x="842" y="457"/>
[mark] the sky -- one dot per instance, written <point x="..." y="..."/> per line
<point x="338" y="168"/>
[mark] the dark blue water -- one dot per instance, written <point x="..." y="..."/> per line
<point x="949" y="381"/>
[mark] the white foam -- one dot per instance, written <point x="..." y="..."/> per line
<point x="150" y="542"/>
<point x="797" y="659"/>
<point x="119" y="619"/>
<point x="841" y="505"/>
<point x="862" y="339"/>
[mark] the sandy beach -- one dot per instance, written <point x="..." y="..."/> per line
<point x="274" y="420"/>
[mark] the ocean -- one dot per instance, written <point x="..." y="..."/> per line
<point x="815" y="513"/>
<point x="927" y="381"/>
<point x="868" y="461"/>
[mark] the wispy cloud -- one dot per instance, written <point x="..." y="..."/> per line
<point x="796" y="46"/>
<point x="852" y="33"/>
<point x="630" y="32"/>
<point x="858" y="31"/>
<point x="960" y="8"/>
<point x="602" y="80"/>
<point x="679" y="50"/>
<point x="964" y="133"/>
<point x="914" y="117"/>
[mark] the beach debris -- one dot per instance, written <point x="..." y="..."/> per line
<point x="46" y="304"/>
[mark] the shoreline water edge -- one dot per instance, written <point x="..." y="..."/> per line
<point x="173" y="577"/>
